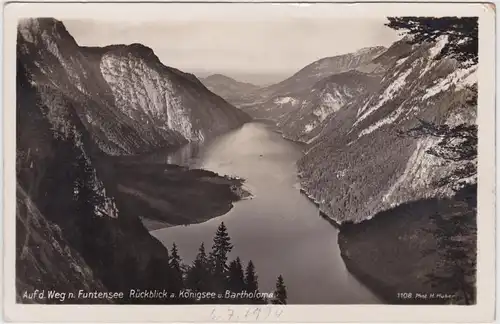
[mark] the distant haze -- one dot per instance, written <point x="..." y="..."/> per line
<point x="252" y="51"/>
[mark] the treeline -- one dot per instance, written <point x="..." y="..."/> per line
<point x="212" y="272"/>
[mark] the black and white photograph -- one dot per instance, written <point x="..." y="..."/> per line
<point x="279" y="160"/>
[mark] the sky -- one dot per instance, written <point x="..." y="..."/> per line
<point x="236" y="48"/>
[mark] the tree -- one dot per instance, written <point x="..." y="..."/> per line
<point x="280" y="294"/>
<point x="456" y="247"/>
<point x="198" y="275"/>
<point x="251" y="283"/>
<point x="456" y="144"/>
<point x="219" y="255"/>
<point x="86" y="202"/>
<point x="176" y="274"/>
<point x="88" y="199"/>
<point x="462" y="33"/>
<point x="236" y="277"/>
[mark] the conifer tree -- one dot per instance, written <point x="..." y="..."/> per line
<point x="456" y="237"/>
<point x="462" y="34"/>
<point x="198" y="276"/>
<point x="236" y="277"/>
<point x="176" y="274"/>
<point x="85" y="199"/>
<point x="280" y="294"/>
<point x="251" y="283"/>
<point x="219" y="255"/>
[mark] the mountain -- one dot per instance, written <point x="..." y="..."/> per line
<point x="302" y="115"/>
<point x="151" y="105"/>
<point x="230" y="89"/>
<point x="273" y="101"/>
<point x="314" y="72"/>
<point x="360" y="165"/>
<point x="326" y="97"/>
<point x="81" y="198"/>
<point x="300" y="103"/>
<point x="396" y="168"/>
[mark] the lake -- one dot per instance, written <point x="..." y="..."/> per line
<point x="279" y="229"/>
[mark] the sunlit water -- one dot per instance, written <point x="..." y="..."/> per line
<point x="280" y="230"/>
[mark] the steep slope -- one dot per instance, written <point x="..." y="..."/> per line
<point x="233" y="91"/>
<point x="67" y="207"/>
<point x="283" y="97"/>
<point x="323" y="99"/>
<point x="44" y="259"/>
<point x="75" y="228"/>
<point x="391" y="252"/>
<point x="407" y="213"/>
<point x="314" y="72"/>
<point x="334" y="92"/>
<point x="360" y="165"/>
<point x="151" y="105"/>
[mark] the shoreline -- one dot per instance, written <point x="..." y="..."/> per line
<point x="163" y="195"/>
<point x="154" y="224"/>
<point x="236" y="184"/>
<point x="323" y="214"/>
<point x="164" y="225"/>
<point x="375" y="286"/>
<point x="277" y="130"/>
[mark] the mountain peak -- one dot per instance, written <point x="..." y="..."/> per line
<point x="370" y="49"/>
<point x="219" y="77"/>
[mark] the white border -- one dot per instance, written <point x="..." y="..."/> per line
<point x="482" y="312"/>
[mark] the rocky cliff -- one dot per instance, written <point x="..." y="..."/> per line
<point x="76" y="108"/>
<point x="131" y="102"/>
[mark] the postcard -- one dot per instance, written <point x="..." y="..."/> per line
<point x="258" y="162"/>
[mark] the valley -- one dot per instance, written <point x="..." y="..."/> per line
<point x="336" y="173"/>
<point x="279" y="227"/>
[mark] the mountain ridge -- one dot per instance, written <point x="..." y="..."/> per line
<point x="232" y="90"/>
<point x="137" y="129"/>
<point x="363" y="129"/>
<point x="301" y="83"/>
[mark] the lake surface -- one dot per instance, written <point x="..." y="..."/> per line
<point x="280" y="230"/>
